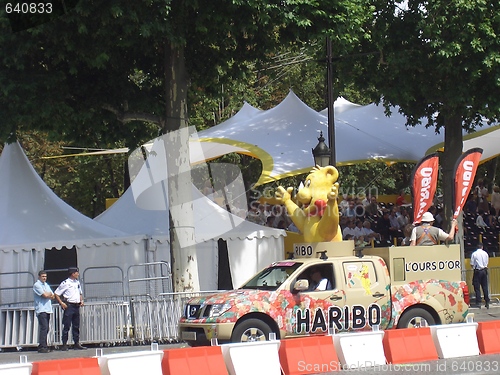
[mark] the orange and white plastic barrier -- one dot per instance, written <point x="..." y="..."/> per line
<point x="488" y="337"/>
<point x="298" y="356"/>
<point x="307" y="355"/>
<point x="204" y="360"/>
<point x="455" y="340"/>
<point x="143" y="362"/>
<point x="360" y="349"/>
<point x="70" y="366"/>
<point x="251" y="358"/>
<point x="409" y="345"/>
<point x="15" y="369"/>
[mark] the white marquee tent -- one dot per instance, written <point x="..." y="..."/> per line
<point x="250" y="246"/>
<point x="33" y="220"/>
<point x="283" y="137"/>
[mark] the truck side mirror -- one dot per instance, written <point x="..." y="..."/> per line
<point x="301" y="285"/>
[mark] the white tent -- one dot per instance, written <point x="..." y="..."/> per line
<point x="411" y="143"/>
<point x="34" y="219"/>
<point x="211" y="150"/>
<point x="283" y="137"/>
<point x="250" y="246"/>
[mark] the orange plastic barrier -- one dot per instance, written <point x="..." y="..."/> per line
<point x="204" y="360"/>
<point x="488" y="337"/>
<point x="409" y="345"/>
<point x="71" y="366"/>
<point x="308" y="355"/>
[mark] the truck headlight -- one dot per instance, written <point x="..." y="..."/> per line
<point x="218" y="309"/>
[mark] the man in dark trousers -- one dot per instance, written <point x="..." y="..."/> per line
<point x="479" y="263"/>
<point x="69" y="295"/>
<point x="43" y="308"/>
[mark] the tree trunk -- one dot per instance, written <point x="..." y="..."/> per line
<point x="182" y="236"/>
<point x="452" y="150"/>
<point x="453" y="145"/>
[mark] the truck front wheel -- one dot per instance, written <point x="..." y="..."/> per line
<point x="251" y="330"/>
<point x="416" y="317"/>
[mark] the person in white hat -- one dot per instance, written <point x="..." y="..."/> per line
<point x="427" y="235"/>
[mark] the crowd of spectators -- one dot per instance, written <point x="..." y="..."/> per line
<point x="481" y="219"/>
<point x="366" y="221"/>
<point x="273" y="216"/>
<point x="370" y="222"/>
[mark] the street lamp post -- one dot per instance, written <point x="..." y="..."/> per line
<point x="330" y="101"/>
<point x="321" y="152"/>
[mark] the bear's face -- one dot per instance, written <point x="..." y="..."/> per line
<point x="317" y="185"/>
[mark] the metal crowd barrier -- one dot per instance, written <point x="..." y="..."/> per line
<point x="138" y="321"/>
<point x="21" y="295"/>
<point x="493" y="282"/>
<point x="18" y="327"/>
<point x="157" y="319"/>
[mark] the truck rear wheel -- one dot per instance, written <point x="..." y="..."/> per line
<point x="416" y="317"/>
<point x="251" y="330"/>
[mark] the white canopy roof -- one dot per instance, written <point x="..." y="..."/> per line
<point x="250" y="246"/>
<point x="210" y="220"/>
<point x="283" y="137"/>
<point x="32" y="216"/>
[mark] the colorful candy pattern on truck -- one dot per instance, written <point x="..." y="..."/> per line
<point x="302" y="313"/>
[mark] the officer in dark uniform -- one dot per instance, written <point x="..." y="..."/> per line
<point x="69" y="295"/>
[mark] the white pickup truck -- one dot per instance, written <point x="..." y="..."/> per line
<point x="391" y="287"/>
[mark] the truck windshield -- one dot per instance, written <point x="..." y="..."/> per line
<point x="273" y="276"/>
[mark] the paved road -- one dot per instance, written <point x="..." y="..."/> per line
<point x="484" y="364"/>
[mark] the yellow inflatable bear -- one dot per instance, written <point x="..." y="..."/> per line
<point x="318" y="219"/>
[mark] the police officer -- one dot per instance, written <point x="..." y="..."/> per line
<point x="69" y="295"/>
<point x="479" y="263"/>
<point x="427" y="235"/>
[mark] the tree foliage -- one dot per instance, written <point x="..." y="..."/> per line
<point x="102" y="66"/>
<point x="439" y="61"/>
<point x="99" y="76"/>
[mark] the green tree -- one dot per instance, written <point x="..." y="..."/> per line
<point x="439" y="61"/>
<point x="116" y="70"/>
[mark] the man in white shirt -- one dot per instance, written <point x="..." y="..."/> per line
<point x="318" y="281"/>
<point x="480" y="223"/>
<point x="358" y="229"/>
<point x="368" y="233"/>
<point x="479" y="263"/>
<point x="344" y="204"/>
<point x="349" y="232"/>
<point x="69" y="295"/>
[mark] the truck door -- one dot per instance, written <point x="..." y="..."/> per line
<point x="367" y="291"/>
<point x="312" y="308"/>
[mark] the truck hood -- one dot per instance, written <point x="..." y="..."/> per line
<point x="233" y="296"/>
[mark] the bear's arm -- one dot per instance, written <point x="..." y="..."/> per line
<point x="296" y="214"/>
<point x="328" y="227"/>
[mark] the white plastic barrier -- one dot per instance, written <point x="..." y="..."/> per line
<point x="455" y="340"/>
<point x="16" y="369"/>
<point x="260" y="357"/>
<point x="143" y="362"/>
<point x="360" y="349"/>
